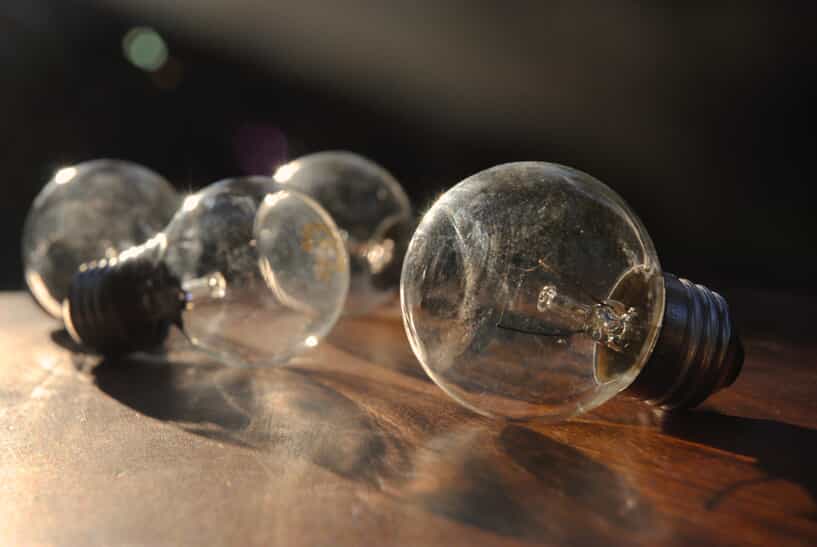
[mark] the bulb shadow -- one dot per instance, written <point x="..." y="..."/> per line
<point x="783" y="451"/>
<point x="594" y="488"/>
<point x="276" y="411"/>
<point x="418" y="450"/>
<point x="517" y="483"/>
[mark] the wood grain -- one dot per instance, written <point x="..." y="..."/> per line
<point x="354" y="445"/>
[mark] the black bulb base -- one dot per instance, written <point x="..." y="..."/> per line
<point x="123" y="307"/>
<point x="698" y="351"/>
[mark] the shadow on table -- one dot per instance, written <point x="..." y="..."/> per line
<point x="507" y="480"/>
<point x="783" y="451"/>
<point x="519" y="483"/>
<point x="275" y="409"/>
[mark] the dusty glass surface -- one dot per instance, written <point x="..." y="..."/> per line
<point x="89" y="211"/>
<point x="372" y="211"/>
<point x="264" y="270"/>
<point x="507" y="292"/>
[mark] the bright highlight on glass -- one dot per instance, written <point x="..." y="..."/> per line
<point x="66" y="174"/>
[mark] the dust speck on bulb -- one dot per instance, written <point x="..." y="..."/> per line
<point x="532" y="291"/>
<point x="247" y="271"/>
<point x="372" y="211"/>
<point x="92" y="210"/>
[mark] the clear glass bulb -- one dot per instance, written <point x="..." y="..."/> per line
<point x="372" y="211"/>
<point x="248" y="271"/>
<point x="87" y="211"/>
<point x="531" y="290"/>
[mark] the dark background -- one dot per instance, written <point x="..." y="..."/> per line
<point x="701" y="115"/>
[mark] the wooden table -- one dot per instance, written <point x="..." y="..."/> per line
<point x="353" y="445"/>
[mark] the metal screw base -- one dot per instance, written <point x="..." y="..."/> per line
<point x="122" y="308"/>
<point x="698" y="351"/>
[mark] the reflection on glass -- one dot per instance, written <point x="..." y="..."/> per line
<point x="372" y="212"/>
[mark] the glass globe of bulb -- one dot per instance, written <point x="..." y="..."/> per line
<point x="86" y="211"/>
<point x="372" y="211"/>
<point x="247" y="271"/>
<point x="532" y="291"/>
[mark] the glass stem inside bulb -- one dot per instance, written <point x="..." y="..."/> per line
<point x="203" y="289"/>
<point x="610" y="322"/>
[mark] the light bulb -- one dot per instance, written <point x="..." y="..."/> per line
<point x="532" y="291"/>
<point x="248" y="272"/>
<point x="372" y="211"/>
<point x="86" y="211"/>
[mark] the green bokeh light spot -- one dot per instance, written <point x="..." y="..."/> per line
<point x="145" y="48"/>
